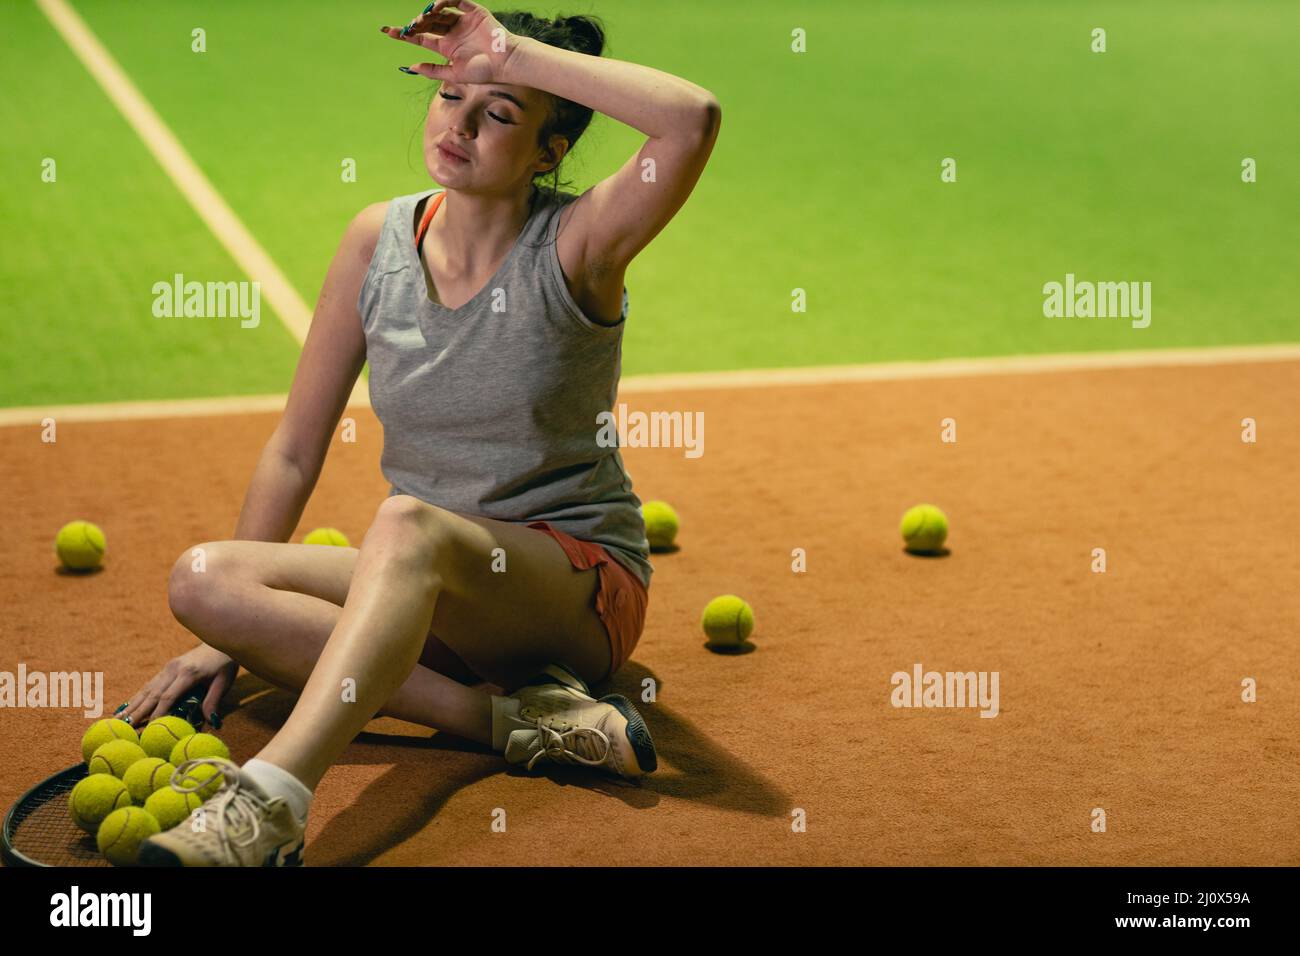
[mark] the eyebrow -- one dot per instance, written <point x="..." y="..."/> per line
<point x="504" y="95"/>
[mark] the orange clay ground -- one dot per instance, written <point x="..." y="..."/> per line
<point x="1119" y="690"/>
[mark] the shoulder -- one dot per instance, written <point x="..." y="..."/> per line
<point x="373" y="216"/>
<point x="363" y="232"/>
<point x="367" y="226"/>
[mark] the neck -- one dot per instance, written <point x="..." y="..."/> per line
<point x="475" y="229"/>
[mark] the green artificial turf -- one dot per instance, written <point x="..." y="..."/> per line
<point x="1122" y="166"/>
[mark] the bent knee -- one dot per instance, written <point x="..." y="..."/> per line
<point x="418" y="529"/>
<point x="407" y="511"/>
<point x="197" y="579"/>
<point x="426" y="539"/>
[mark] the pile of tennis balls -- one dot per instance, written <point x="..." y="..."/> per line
<point x="127" y="798"/>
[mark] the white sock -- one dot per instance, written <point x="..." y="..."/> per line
<point x="277" y="782"/>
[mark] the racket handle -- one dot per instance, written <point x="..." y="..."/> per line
<point x="190" y="708"/>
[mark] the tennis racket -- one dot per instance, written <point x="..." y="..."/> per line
<point x="38" y="830"/>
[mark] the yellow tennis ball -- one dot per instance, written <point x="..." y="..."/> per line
<point x="924" y="529"/>
<point x="331" y="536"/>
<point x="661" y="524"/>
<point x="198" y="745"/>
<point x="199" y="774"/>
<point x="145" y="776"/>
<point x="115" y="757"/>
<point x="94" y="798"/>
<point x="79" y="545"/>
<point x="170" y="808"/>
<point x="122" y="832"/>
<point x="162" y="735"/>
<point x="101" y="732"/>
<point x="728" y="621"/>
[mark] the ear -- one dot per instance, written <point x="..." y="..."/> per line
<point x="556" y="151"/>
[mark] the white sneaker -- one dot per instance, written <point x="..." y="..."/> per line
<point x="241" y="825"/>
<point x="554" y="717"/>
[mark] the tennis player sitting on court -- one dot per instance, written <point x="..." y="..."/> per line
<point x="511" y="548"/>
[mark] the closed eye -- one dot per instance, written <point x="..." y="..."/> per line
<point x="504" y="122"/>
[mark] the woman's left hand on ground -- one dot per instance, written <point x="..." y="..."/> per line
<point x="466" y="34"/>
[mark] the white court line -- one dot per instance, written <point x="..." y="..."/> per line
<point x="962" y="367"/>
<point x="123" y="411"/>
<point x="691" y="381"/>
<point x="229" y="230"/>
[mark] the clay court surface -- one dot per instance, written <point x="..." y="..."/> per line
<point x="1119" y="690"/>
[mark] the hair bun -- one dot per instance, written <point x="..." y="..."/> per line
<point x="587" y="35"/>
<point x="565" y="118"/>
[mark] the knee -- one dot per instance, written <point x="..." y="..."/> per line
<point x="196" y="582"/>
<point x="409" y="532"/>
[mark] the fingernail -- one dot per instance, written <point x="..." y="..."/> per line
<point x="129" y="720"/>
<point x="120" y="709"/>
<point x="406" y="29"/>
<point x="215" y="720"/>
<point x="427" y="9"/>
<point x="405" y="69"/>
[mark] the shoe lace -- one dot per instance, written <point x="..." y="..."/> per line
<point x="238" y="810"/>
<point x="589" y="745"/>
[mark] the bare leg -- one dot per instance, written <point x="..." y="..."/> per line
<point x="372" y="650"/>
<point x="419" y="568"/>
<point x="278" y="634"/>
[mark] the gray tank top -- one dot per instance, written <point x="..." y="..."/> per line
<point x="490" y="409"/>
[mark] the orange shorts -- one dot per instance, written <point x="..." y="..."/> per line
<point x="621" y="598"/>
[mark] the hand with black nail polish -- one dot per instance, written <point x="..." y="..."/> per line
<point x="473" y="41"/>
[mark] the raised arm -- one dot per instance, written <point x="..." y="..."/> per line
<point x="621" y="214"/>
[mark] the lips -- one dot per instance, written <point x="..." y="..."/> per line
<point x="453" y="153"/>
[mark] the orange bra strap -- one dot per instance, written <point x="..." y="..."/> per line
<point x="428" y="214"/>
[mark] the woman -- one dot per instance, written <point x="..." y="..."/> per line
<point x="510" y="549"/>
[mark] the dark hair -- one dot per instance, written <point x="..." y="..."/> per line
<point x="581" y="34"/>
